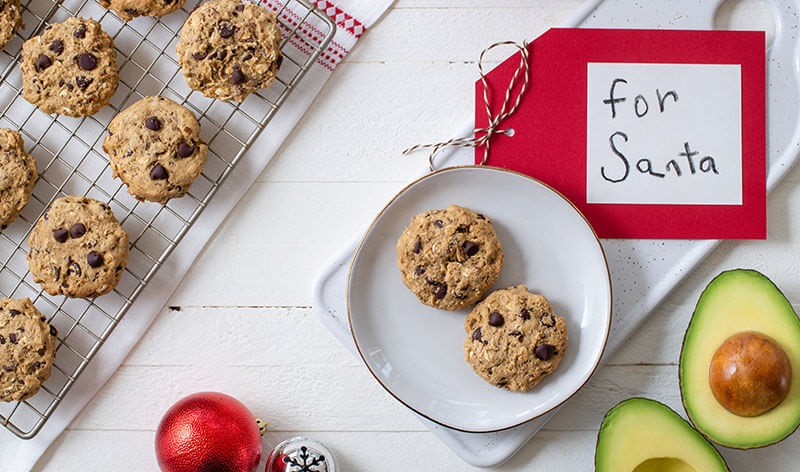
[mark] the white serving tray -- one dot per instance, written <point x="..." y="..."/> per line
<point x="643" y="272"/>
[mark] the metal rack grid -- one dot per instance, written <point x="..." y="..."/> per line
<point x="71" y="162"/>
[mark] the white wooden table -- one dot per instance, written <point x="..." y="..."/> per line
<point x="241" y="321"/>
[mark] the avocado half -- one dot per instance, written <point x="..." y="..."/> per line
<point x="641" y="435"/>
<point x="738" y="301"/>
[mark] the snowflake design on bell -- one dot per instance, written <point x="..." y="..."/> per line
<point x="305" y="461"/>
<point x="300" y="454"/>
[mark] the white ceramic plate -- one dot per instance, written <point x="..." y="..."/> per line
<point x="416" y="352"/>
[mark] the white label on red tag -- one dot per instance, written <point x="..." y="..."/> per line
<point x="664" y="134"/>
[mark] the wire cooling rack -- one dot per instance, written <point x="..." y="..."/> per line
<point x="71" y="162"/>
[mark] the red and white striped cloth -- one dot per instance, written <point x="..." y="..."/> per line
<point x="352" y="18"/>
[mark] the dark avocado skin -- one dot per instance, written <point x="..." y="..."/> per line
<point x="736" y="301"/>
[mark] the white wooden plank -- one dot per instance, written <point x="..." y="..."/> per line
<point x="97" y="451"/>
<point x="280" y="237"/>
<point x="335" y="397"/>
<point x="548" y="5"/>
<point x="291" y="396"/>
<point x="377" y="111"/>
<point x="235" y="336"/>
<point x="455" y="34"/>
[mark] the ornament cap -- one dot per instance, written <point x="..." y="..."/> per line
<point x="300" y="454"/>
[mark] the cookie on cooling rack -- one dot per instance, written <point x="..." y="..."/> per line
<point x="10" y="20"/>
<point x="154" y="147"/>
<point x="514" y="339"/>
<point x="130" y="9"/>
<point x="17" y="176"/>
<point x="229" y="49"/>
<point x="78" y="248"/>
<point x="449" y="258"/>
<point x="71" y="68"/>
<point x="27" y="349"/>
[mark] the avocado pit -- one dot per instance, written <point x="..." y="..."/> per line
<point x="664" y="464"/>
<point x="750" y="374"/>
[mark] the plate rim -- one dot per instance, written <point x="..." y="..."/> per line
<point x="609" y="316"/>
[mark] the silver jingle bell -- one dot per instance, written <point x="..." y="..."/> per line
<point x="300" y="454"/>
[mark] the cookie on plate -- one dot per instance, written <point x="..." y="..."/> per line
<point x="229" y="49"/>
<point x="130" y="9"/>
<point x="514" y="339"/>
<point x="27" y="349"/>
<point x="71" y="68"/>
<point x="78" y="248"/>
<point x="449" y="258"/>
<point x="154" y="147"/>
<point x="10" y="20"/>
<point x="17" y="176"/>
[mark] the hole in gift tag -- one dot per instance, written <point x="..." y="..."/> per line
<point x="745" y="15"/>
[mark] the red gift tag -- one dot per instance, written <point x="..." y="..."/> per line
<point x="650" y="133"/>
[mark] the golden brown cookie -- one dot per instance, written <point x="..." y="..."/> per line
<point x="449" y="258"/>
<point x="154" y="147"/>
<point x="130" y="9"/>
<point x="514" y="339"/>
<point x="27" y="349"/>
<point x="71" y="68"/>
<point x="10" y="20"/>
<point x="78" y="248"/>
<point x="229" y="49"/>
<point x="17" y="176"/>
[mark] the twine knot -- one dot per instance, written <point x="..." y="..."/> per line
<point x="483" y="136"/>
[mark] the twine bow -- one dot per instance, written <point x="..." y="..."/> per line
<point x="483" y="136"/>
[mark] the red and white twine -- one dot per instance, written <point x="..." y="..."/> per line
<point x="483" y="136"/>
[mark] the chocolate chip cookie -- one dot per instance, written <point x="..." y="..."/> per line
<point x="78" y="248"/>
<point x="449" y="258"/>
<point x="10" y="20"/>
<point x="130" y="9"/>
<point x="17" y="176"/>
<point x="154" y="147"/>
<point x="229" y="49"/>
<point x="71" y="68"/>
<point x="514" y="339"/>
<point x="27" y="349"/>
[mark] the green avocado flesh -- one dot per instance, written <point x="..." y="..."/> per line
<point x="737" y="301"/>
<point x="641" y="435"/>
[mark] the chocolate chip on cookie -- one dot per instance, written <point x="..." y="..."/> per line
<point x="158" y="172"/>
<point x="185" y="149"/>
<point x="154" y="147"/>
<point x="229" y="49"/>
<point x="152" y="123"/>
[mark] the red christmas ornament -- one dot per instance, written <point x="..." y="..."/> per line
<point x="208" y="432"/>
